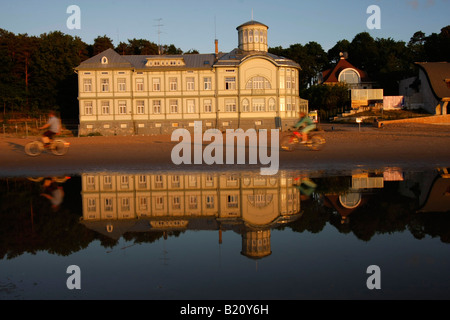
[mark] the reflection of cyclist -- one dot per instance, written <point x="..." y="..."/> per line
<point x="53" y="127"/>
<point x="307" y="125"/>
<point x="53" y="192"/>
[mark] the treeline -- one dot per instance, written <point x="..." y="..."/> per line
<point x="36" y="73"/>
<point x="386" y="62"/>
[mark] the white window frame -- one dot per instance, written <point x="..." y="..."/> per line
<point x="230" y="105"/>
<point x="207" y="83"/>
<point x="173" y="105"/>
<point x="173" y="84"/>
<point x="156" y="84"/>
<point x="88" y="108"/>
<point x="121" y="84"/>
<point x="106" y="109"/>
<point x="156" y="106"/>
<point x="87" y="84"/>
<point x="230" y="83"/>
<point x="207" y="106"/>
<point x="190" y="105"/>
<point x="139" y="84"/>
<point x="140" y="107"/>
<point x="122" y="106"/>
<point x="190" y="83"/>
<point x="104" y="85"/>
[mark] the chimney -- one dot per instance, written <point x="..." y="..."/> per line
<point x="217" y="46"/>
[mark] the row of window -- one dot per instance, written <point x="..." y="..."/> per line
<point x="174" y="106"/>
<point x="253" y="36"/>
<point x="232" y="201"/>
<point x="259" y="82"/>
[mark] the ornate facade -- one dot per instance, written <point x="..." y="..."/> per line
<point x="245" y="88"/>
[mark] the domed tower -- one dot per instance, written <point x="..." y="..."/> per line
<point x="253" y="36"/>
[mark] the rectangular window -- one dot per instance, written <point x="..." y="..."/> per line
<point x="207" y="83"/>
<point x="122" y="107"/>
<point x="210" y="202"/>
<point x="232" y="201"/>
<point x="143" y="203"/>
<point x="173" y="84"/>
<point x="139" y="84"/>
<point x="88" y="110"/>
<point x="156" y="106"/>
<point x="190" y="84"/>
<point x="121" y="85"/>
<point x="282" y="104"/>
<point x="207" y="106"/>
<point x="258" y="105"/>
<point x="176" y="202"/>
<point x="142" y="181"/>
<point x="230" y="105"/>
<point x="288" y="104"/>
<point x="159" y="181"/>
<point x="192" y="202"/>
<point x="87" y="85"/>
<point x="92" y="205"/>
<point x="140" y="107"/>
<point x="107" y="182"/>
<point x="105" y="107"/>
<point x="175" y="181"/>
<point x="159" y="202"/>
<point x="173" y="104"/>
<point x="156" y="84"/>
<point x="125" y="204"/>
<point x="104" y="85"/>
<point x="191" y="106"/>
<point x="108" y="204"/>
<point x="288" y="82"/>
<point x="230" y="83"/>
<point x="282" y="82"/>
<point x="209" y="180"/>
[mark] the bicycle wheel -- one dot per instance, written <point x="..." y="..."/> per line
<point x="317" y="142"/>
<point x="59" y="147"/>
<point x="287" y="143"/>
<point x="34" y="148"/>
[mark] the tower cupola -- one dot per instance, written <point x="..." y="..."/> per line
<point x="253" y="36"/>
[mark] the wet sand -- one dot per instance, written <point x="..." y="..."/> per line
<point x="408" y="146"/>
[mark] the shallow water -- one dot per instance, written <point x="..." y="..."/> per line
<point x="227" y="235"/>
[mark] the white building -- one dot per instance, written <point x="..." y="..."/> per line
<point x="245" y="88"/>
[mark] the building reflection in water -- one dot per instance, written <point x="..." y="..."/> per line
<point x="249" y="204"/>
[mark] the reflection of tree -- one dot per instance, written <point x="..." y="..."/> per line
<point x="383" y="211"/>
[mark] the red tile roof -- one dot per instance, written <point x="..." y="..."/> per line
<point x="332" y="75"/>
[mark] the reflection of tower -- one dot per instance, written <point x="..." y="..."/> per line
<point x="256" y="243"/>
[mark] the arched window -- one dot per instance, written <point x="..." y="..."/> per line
<point x="245" y="105"/>
<point x="104" y="60"/>
<point x="258" y="82"/>
<point x="349" y="76"/>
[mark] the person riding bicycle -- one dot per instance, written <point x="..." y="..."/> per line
<point x="307" y="125"/>
<point x="54" y="127"/>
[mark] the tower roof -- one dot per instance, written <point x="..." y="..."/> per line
<point x="252" y="23"/>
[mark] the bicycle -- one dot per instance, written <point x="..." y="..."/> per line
<point x="58" y="147"/>
<point x="293" y="140"/>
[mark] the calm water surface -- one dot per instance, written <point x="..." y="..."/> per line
<point x="227" y="235"/>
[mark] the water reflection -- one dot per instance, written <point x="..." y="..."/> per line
<point x="248" y="204"/>
<point x="291" y="221"/>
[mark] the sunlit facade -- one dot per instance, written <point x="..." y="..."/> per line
<point x="245" y="88"/>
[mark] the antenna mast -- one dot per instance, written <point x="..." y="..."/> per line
<point x="159" y="32"/>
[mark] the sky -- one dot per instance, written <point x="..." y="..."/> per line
<point x="195" y="24"/>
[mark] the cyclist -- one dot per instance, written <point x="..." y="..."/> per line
<point x="53" y="127"/>
<point x="307" y="125"/>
